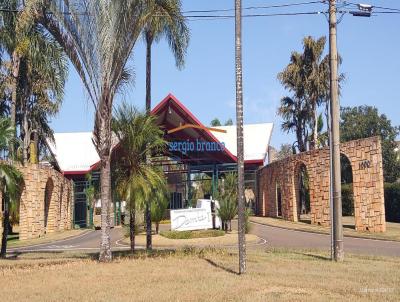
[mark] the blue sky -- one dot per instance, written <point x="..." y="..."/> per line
<point x="370" y="48"/>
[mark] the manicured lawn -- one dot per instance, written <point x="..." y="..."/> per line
<point x="192" y="234"/>
<point x="392" y="229"/>
<point x="202" y="241"/>
<point x="206" y="275"/>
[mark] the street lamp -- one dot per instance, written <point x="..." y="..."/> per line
<point x="364" y="10"/>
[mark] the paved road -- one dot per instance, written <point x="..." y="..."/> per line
<point x="273" y="237"/>
<point x="278" y="237"/>
<point x="88" y="241"/>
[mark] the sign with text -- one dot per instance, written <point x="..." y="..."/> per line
<point x="187" y="146"/>
<point x="191" y="219"/>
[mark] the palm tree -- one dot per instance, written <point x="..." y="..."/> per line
<point x="307" y="77"/>
<point x="240" y="146"/>
<point x="98" y="37"/>
<point x="43" y="79"/>
<point x="10" y="181"/>
<point x="137" y="182"/>
<point x="165" y="20"/>
<point x="38" y="71"/>
<point x="13" y="43"/>
<point x="295" y="114"/>
<point x="316" y="68"/>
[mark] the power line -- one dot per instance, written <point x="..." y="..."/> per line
<point x="386" y="12"/>
<point x="253" y="7"/>
<point x="388" y="8"/>
<point x="216" y="17"/>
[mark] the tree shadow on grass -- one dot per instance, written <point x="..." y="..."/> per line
<point x="226" y="269"/>
<point x="313" y="256"/>
<point x="42" y="255"/>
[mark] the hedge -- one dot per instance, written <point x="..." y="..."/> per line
<point x="347" y="200"/>
<point x="392" y="202"/>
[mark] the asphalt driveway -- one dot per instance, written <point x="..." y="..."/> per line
<point x="272" y="237"/>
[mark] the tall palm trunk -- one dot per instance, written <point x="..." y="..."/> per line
<point x="34" y="149"/>
<point x="132" y="226"/>
<point x="300" y="141"/>
<point x="240" y="147"/>
<point x="6" y="223"/>
<point x="103" y="137"/>
<point x="314" y="137"/>
<point x="105" y="178"/>
<point x="149" y="43"/>
<point x="27" y="136"/>
<point x="16" y="60"/>
<point x="147" y="214"/>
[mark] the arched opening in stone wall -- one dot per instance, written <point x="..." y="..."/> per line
<point x="302" y="183"/>
<point x="278" y="201"/>
<point x="47" y="201"/>
<point x="347" y="192"/>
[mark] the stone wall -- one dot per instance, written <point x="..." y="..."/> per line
<point x="365" y="156"/>
<point x="46" y="202"/>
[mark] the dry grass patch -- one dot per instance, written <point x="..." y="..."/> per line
<point x="392" y="229"/>
<point x="206" y="275"/>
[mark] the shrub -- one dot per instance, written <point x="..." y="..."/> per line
<point x="347" y="200"/>
<point x="392" y="202"/>
<point x="227" y="211"/>
<point x="247" y="226"/>
<point x="158" y="208"/>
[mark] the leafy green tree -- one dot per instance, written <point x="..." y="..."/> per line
<point x="215" y="123"/>
<point x="285" y="151"/>
<point x="229" y="122"/>
<point x="165" y="20"/>
<point x="365" y="121"/>
<point x="11" y="181"/>
<point x="137" y="181"/>
<point x="98" y="37"/>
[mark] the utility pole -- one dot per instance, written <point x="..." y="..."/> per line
<point x="335" y="137"/>
<point x="239" y="127"/>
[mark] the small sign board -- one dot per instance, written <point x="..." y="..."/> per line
<point x="191" y="219"/>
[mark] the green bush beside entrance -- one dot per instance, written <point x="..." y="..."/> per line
<point x="392" y="202"/>
<point x="192" y="234"/>
<point x="347" y="200"/>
